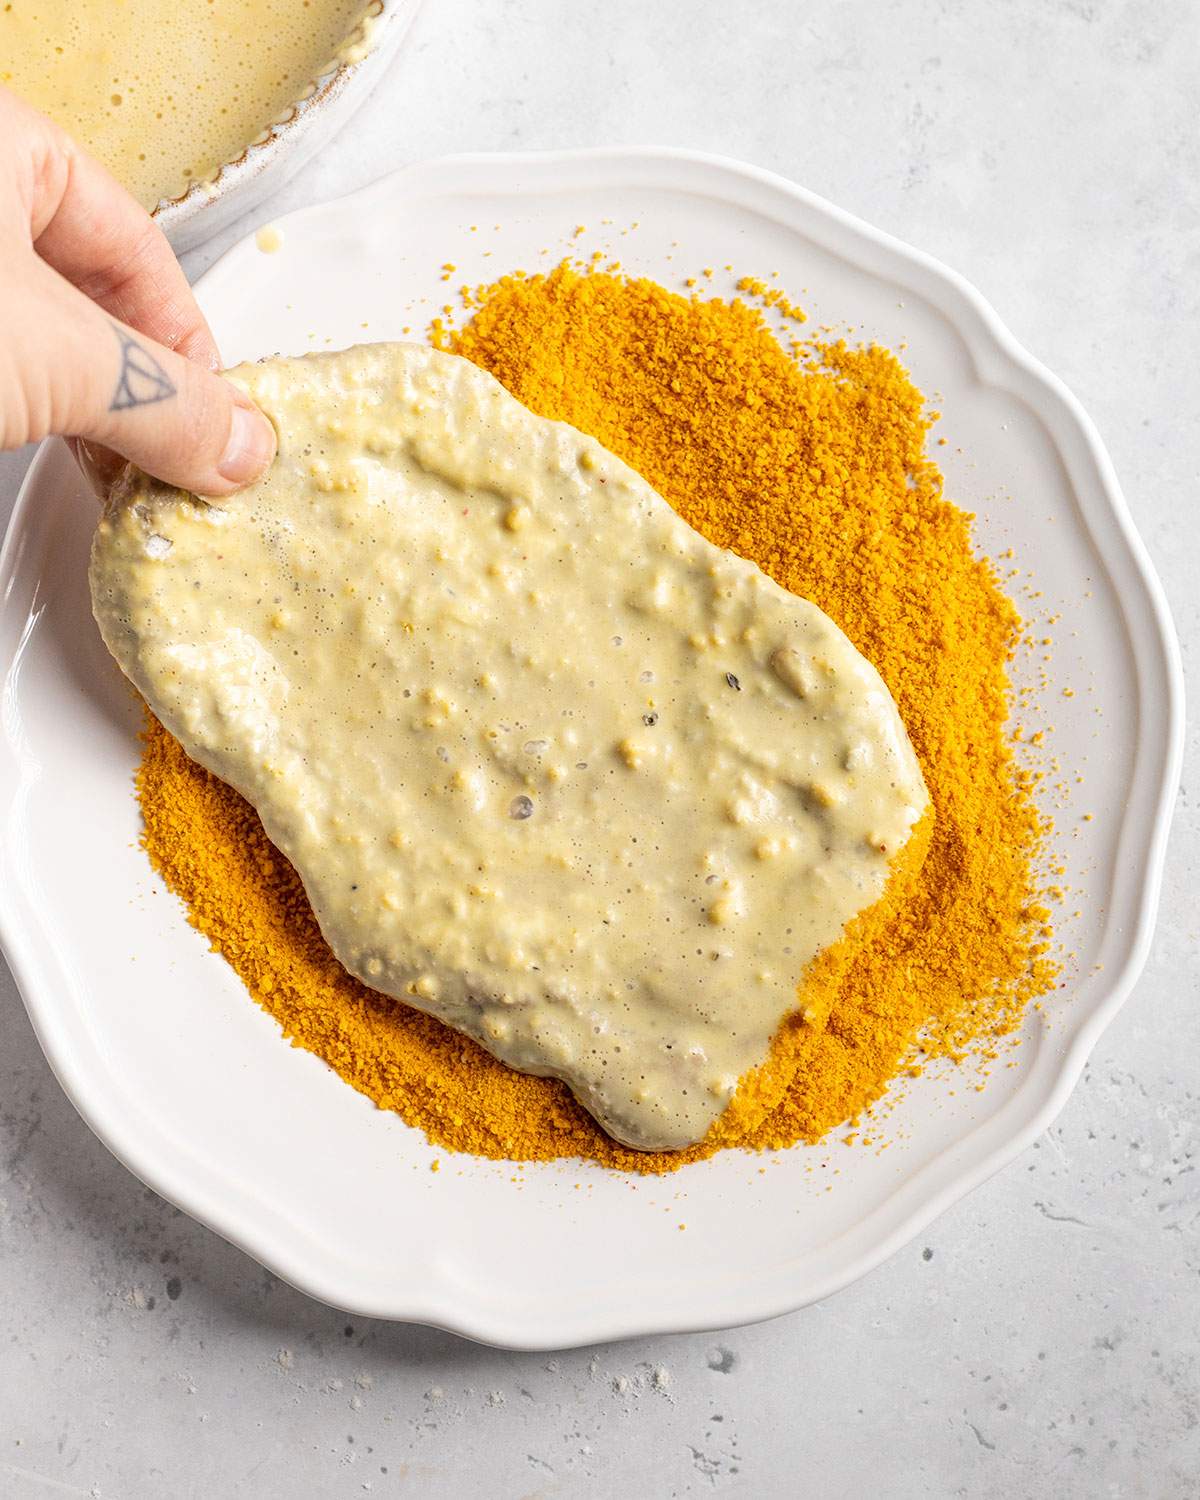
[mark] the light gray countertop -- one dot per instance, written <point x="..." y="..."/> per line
<point x="1042" y="1340"/>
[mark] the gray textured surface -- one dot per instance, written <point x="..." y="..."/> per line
<point x="1043" y="1340"/>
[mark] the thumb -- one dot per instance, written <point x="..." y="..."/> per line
<point x="81" y="373"/>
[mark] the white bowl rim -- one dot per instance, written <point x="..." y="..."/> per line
<point x="440" y="1305"/>
<point x="285" y="135"/>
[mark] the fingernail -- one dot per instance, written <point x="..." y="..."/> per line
<point x="250" y="448"/>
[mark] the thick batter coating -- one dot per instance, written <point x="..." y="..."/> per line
<point x="551" y="766"/>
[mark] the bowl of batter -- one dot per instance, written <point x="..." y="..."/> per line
<point x="200" y="107"/>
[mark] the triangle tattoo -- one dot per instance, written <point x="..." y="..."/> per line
<point x="142" y="380"/>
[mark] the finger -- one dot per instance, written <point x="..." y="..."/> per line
<point x="82" y="374"/>
<point x="86" y="226"/>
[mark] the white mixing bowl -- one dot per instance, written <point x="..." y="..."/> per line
<point x="288" y="142"/>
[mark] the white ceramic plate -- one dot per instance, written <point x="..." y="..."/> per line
<point x="189" y="1083"/>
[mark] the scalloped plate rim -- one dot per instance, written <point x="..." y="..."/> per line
<point x="439" y="1301"/>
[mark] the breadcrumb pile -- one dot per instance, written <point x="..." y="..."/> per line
<point x="809" y="460"/>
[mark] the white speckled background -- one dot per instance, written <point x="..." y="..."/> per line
<point x="1042" y="1341"/>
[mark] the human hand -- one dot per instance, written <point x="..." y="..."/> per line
<point x="100" y="336"/>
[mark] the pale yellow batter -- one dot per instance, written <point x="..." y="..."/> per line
<point x="551" y="766"/>
<point x="165" y="92"/>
